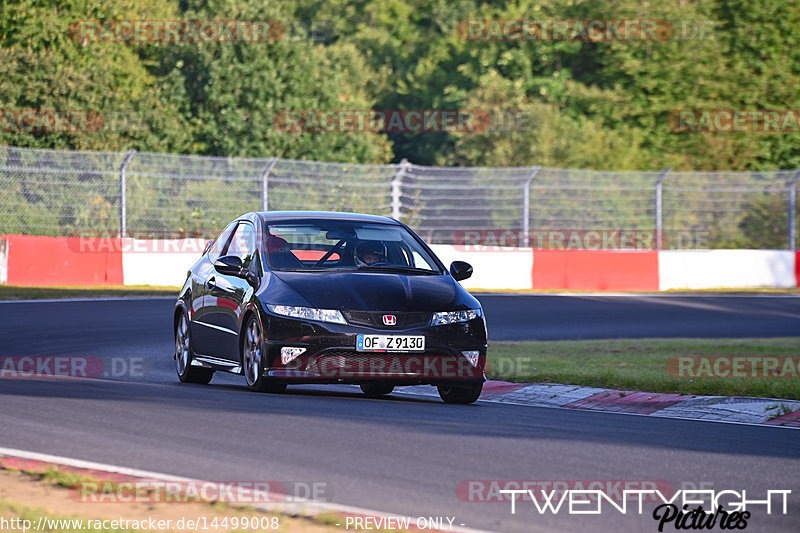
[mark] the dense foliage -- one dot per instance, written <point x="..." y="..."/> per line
<point x="571" y="103"/>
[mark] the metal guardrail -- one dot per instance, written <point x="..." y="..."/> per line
<point x="52" y="192"/>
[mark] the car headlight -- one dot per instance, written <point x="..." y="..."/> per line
<point x="453" y="317"/>
<point x="308" y="313"/>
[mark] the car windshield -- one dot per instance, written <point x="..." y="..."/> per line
<point x="321" y="246"/>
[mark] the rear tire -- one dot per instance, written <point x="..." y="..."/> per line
<point x="254" y="360"/>
<point x="461" y="395"/>
<point x="184" y="355"/>
<point x="376" y="390"/>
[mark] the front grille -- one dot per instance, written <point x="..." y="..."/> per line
<point x="374" y="319"/>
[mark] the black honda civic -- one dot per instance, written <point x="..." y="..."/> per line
<point x="318" y="297"/>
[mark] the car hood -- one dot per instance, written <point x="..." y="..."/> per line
<point x="378" y="291"/>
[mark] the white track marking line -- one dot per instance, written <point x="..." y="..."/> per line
<point x="302" y="507"/>
<point x="80" y="463"/>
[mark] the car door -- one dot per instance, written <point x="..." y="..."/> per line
<point x="226" y="296"/>
<point x="203" y="336"/>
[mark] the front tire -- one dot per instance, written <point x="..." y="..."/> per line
<point x="469" y="393"/>
<point x="184" y="355"/>
<point x="254" y="360"/>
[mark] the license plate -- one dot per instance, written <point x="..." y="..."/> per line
<point x="390" y="343"/>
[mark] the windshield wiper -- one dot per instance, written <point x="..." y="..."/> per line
<point x="397" y="268"/>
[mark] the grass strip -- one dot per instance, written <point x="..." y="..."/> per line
<point x="641" y="364"/>
<point x="14" y="292"/>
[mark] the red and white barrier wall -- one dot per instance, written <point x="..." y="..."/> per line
<point x="3" y="261"/>
<point x="508" y="268"/>
<point x="703" y="269"/>
<point x="41" y="261"/>
<point x="159" y="262"/>
<point x="33" y="260"/>
<point x="48" y="261"/>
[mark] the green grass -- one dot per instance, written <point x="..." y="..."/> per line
<point x="639" y="364"/>
<point x="60" y="478"/>
<point x="328" y="519"/>
<point x="13" y="292"/>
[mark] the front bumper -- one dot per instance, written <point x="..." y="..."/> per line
<point x="330" y="354"/>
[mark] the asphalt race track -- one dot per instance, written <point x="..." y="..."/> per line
<point x="545" y="317"/>
<point x="404" y="454"/>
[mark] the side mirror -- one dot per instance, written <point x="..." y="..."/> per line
<point x="460" y="270"/>
<point x="230" y="265"/>
<point x="252" y="278"/>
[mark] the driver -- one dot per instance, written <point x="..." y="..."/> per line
<point x="370" y="253"/>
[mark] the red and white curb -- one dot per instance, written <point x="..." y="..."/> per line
<point x="11" y="458"/>
<point x="774" y="412"/>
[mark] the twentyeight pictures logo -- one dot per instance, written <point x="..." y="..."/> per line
<point x="683" y="509"/>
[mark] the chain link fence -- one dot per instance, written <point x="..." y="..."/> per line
<point x="51" y="192"/>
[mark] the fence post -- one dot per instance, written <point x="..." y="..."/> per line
<point x="526" y="206"/>
<point x="659" y="215"/>
<point x="397" y="183"/>
<point x="265" y="183"/>
<point x="123" y="201"/>
<point x="793" y="209"/>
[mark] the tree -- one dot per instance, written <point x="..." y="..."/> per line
<point x="46" y="66"/>
<point x="232" y="92"/>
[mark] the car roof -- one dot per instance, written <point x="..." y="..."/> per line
<point x="294" y="216"/>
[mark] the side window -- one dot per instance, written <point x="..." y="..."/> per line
<point x="417" y="260"/>
<point x="409" y="257"/>
<point x="221" y="242"/>
<point x="243" y="243"/>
